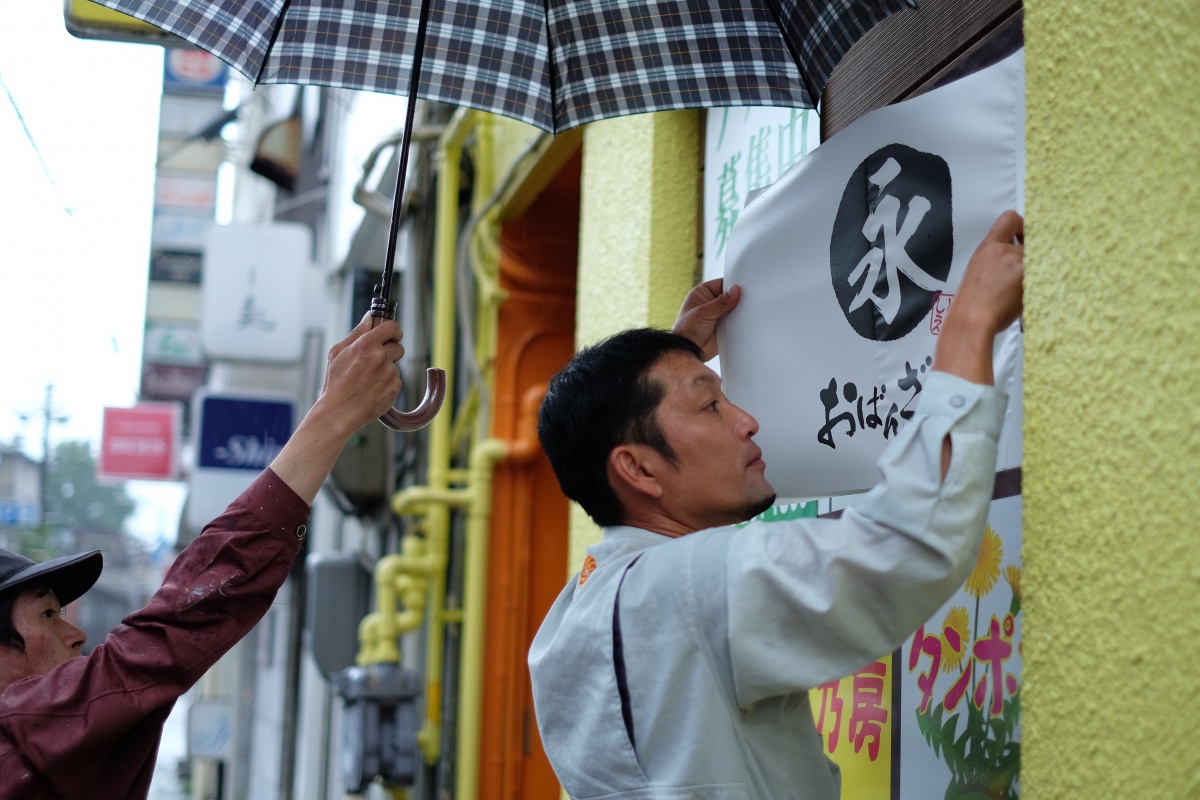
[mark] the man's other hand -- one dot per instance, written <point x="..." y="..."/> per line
<point x="989" y="299"/>
<point x="701" y="310"/>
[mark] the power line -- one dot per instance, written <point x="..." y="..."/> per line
<point x="29" y="136"/>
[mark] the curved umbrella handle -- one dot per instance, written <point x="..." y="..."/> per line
<point x="423" y="414"/>
<point x="435" y="384"/>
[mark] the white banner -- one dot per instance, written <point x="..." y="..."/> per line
<point x="848" y="265"/>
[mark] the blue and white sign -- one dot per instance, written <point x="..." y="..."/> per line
<point x="210" y="729"/>
<point x="242" y="433"/>
<point x="14" y="514"/>
<point x="238" y="435"/>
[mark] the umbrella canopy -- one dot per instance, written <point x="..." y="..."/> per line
<point x="553" y="63"/>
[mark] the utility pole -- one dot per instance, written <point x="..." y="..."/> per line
<point x="48" y="418"/>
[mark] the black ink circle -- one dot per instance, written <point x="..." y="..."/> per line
<point x="931" y="246"/>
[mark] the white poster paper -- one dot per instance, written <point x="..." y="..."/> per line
<point x="848" y="265"/>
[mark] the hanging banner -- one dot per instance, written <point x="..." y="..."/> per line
<point x="848" y="266"/>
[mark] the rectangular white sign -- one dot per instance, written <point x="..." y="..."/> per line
<point x="253" y="289"/>
<point x="848" y="265"/>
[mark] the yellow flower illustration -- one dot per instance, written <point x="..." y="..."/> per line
<point x="1012" y="574"/>
<point x="956" y="634"/>
<point x="987" y="569"/>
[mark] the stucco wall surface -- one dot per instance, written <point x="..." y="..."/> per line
<point x="1112" y="377"/>
<point x="637" y="236"/>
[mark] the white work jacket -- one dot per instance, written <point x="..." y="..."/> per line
<point x="680" y="668"/>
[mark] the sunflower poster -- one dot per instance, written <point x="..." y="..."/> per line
<point x="940" y="717"/>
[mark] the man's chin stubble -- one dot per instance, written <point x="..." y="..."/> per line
<point x="752" y="510"/>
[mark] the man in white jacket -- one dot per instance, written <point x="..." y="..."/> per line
<point x="677" y="663"/>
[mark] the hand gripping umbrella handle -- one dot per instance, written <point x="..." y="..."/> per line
<point x="431" y="403"/>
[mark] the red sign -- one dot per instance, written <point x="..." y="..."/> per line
<point x="140" y="442"/>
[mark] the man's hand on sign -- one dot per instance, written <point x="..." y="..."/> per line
<point x="701" y="310"/>
<point x="989" y="299"/>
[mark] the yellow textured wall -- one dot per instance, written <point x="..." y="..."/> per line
<point x="637" y="235"/>
<point x="1112" y="382"/>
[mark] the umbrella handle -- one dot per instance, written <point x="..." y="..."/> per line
<point x="435" y="388"/>
<point x="423" y="414"/>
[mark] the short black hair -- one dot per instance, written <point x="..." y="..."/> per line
<point x="602" y="399"/>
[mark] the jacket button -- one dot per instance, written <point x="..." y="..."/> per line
<point x="301" y="531"/>
<point x="958" y="401"/>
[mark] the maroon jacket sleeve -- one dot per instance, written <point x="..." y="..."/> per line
<point x="91" y="727"/>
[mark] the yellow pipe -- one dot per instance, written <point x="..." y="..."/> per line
<point x="397" y="578"/>
<point x="440" y="453"/>
<point x="484" y="457"/>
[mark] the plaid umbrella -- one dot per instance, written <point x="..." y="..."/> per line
<point x="553" y="63"/>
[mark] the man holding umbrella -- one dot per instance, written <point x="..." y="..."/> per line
<point x="72" y="726"/>
<point x="677" y="662"/>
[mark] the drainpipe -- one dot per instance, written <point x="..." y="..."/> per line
<point x="484" y="458"/>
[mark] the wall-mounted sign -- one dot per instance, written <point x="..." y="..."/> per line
<point x="140" y="442"/>
<point x="252" y="299"/>
<point x="164" y="343"/>
<point x="176" y="266"/>
<point x="210" y="729"/>
<point x="171" y="381"/>
<point x="849" y="264"/>
<point x="186" y="192"/>
<point x="193" y="72"/>
<point x="238" y="435"/>
<point x="180" y="232"/>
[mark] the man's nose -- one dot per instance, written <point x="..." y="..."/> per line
<point x="748" y="424"/>
<point x="76" y="638"/>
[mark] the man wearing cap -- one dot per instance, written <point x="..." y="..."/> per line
<point x="73" y="726"/>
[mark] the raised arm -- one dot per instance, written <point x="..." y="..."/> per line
<point x="361" y="383"/>
<point x="987" y="302"/>
<point x="989" y="299"/>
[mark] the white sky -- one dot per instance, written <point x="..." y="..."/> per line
<point x="74" y="234"/>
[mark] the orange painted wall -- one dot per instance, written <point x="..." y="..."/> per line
<point x="528" y="546"/>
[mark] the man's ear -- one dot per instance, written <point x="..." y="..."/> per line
<point x="632" y="468"/>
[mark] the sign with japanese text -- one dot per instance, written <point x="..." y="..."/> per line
<point x="940" y="717"/>
<point x="140" y="442"/>
<point x="746" y="149"/>
<point x="848" y="265"/>
<point x="252" y="291"/>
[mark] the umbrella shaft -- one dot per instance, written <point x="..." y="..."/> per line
<point x="383" y="305"/>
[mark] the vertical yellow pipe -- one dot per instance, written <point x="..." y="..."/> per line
<point x="484" y="456"/>
<point x="470" y="688"/>
<point x="438" y="518"/>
